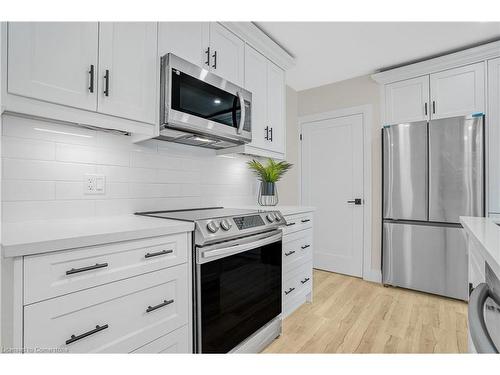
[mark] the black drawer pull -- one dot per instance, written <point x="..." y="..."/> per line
<point x="164" y="303"/>
<point x="305" y="247"/>
<point x="163" y="252"/>
<point x="289" y="253"/>
<point x="88" y="268"/>
<point x="289" y="291"/>
<point x="106" y="83"/>
<point x="305" y="280"/>
<point x="74" y="338"/>
<point x="289" y="224"/>
<point x="306" y="220"/>
<point x="91" y="73"/>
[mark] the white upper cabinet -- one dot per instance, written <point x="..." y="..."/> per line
<point x="276" y="107"/>
<point x="494" y="134"/>
<point x="128" y="70"/>
<point x="188" y="40"/>
<point x="407" y="101"/>
<point x="54" y="61"/>
<point x="458" y="91"/>
<point x="227" y="54"/>
<point x="256" y="83"/>
<point x="266" y="82"/>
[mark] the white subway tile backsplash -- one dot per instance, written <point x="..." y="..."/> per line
<point x="27" y="149"/>
<point x="22" y="190"/>
<point x="44" y="165"/>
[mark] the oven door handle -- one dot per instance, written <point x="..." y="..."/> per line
<point x="242" y="113"/>
<point x="221" y="250"/>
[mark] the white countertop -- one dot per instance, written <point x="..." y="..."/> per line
<point x="285" y="210"/>
<point x="487" y="234"/>
<point x="35" y="237"/>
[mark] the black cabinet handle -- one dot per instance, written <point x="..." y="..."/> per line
<point x="306" y="220"/>
<point x="271" y="134"/>
<point x="357" y="201"/>
<point x="305" y="280"/>
<point x="88" y="268"/>
<point x="267" y="133"/>
<point x="215" y="60"/>
<point x="305" y="247"/>
<point x="425" y="106"/>
<point x="289" y="224"/>
<point x="91" y="74"/>
<point x="163" y="304"/>
<point x="163" y="252"/>
<point x="433" y="106"/>
<point x="106" y="83"/>
<point x="289" y="253"/>
<point x="98" y="328"/>
<point x="289" y="291"/>
<point x="207" y="51"/>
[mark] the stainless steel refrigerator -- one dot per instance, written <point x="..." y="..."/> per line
<point x="433" y="173"/>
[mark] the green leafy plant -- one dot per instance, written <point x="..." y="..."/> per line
<point x="271" y="172"/>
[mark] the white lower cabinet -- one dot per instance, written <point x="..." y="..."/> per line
<point x="297" y="262"/>
<point x="140" y="302"/>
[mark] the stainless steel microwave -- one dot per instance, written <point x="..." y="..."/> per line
<point x="200" y="108"/>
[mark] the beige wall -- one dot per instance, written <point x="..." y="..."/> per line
<point x="288" y="187"/>
<point x="349" y="93"/>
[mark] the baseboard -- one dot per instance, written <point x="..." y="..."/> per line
<point x="375" y="276"/>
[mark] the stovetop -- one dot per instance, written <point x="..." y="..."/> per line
<point x="196" y="214"/>
<point x="216" y="224"/>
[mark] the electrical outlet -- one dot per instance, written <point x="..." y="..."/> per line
<point x="94" y="184"/>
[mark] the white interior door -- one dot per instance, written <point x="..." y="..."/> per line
<point x="332" y="175"/>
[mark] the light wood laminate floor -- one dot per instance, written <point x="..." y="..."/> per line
<point x="349" y="315"/>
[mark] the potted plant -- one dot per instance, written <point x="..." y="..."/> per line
<point x="268" y="175"/>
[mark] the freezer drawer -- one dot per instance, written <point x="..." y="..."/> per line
<point x="428" y="258"/>
<point x="456" y="171"/>
<point x="405" y="171"/>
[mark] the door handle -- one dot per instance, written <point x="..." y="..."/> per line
<point x="163" y="304"/>
<point x="289" y="253"/>
<point x="426" y="108"/>
<point x="433" y="107"/>
<point x="163" y="252"/>
<point x="267" y="133"/>
<point x="241" y="124"/>
<point x="356" y="201"/>
<point x="207" y="51"/>
<point x="215" y="60"/>
<point x="106" y="83"/>
<point x="290" y="290"/>
<point x="91" y="74"/>
<point x="271" y="132"/>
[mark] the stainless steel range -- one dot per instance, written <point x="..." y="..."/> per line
<point x="237" y="277"/>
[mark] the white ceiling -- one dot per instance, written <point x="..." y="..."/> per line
<point x="328" y="52"/>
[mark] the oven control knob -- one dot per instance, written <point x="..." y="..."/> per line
<point x="212" y="226"/>
<point x="277" y="217"/>
<point x="225" y="224"/>
<point x="270" y="217"/>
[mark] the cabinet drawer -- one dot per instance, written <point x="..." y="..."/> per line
<point x="173" y="342"/>
<point x="117" y="317"/>
<point x="51" y="275"/>
<point x="297" y="222"/>
<point x="297" y="281"/>
<point x="297" y="249"/>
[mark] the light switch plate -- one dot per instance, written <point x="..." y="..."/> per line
<point x="94" y="184"/>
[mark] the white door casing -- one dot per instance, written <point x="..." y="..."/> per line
<point x="51" y="61"/>
<point x="493" y="128"/>
<point x="128" y="51"/>
<point x="457" y="92"/>
<point x="333" y="173"/>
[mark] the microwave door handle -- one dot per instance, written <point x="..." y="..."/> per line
<point x="242" y="113"/>
<point x="230" y="250"/>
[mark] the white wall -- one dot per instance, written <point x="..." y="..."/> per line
<point x="349" y="93"/>
<point x="44" y="164"/>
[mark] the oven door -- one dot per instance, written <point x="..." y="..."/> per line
<point x="197" y="101"/>
<point x="238" y="290"/>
